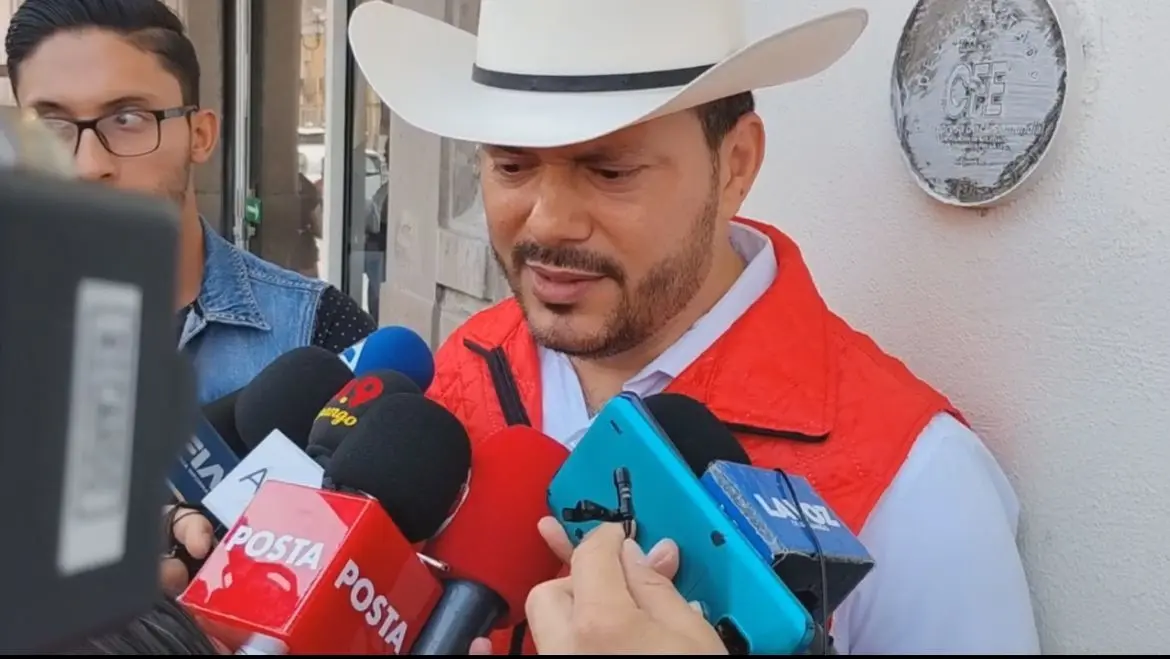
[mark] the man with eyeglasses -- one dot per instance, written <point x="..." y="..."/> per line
<point x="118" y="80"/>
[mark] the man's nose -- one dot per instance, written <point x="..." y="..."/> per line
<point x="558" y="216"/>
<point x="94" y="162"/>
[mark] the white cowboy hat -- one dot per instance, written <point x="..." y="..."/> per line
<point x="546" y="73"/>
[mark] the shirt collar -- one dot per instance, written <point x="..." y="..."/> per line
<point x="225" y="295"/>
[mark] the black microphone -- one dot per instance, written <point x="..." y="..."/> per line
<point x="699" y="436"/>
<point x="284" y="396"/>
<point x="272" y="416"/>
<point x="344" y="411"/>
<point x="221" y="415"/>
<point x="402" y="441"/>
<point x="288" y="394"/>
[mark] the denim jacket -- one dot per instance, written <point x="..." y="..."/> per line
<point x="248" y="313"/>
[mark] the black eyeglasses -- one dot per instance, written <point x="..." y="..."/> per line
<point x="125" y="133"/>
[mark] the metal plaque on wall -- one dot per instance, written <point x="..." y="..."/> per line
<point x="978" y="90"/>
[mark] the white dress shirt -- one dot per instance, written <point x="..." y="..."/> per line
<point x="947" y="577"/>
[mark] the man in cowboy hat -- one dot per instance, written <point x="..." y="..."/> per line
<point x="618" y="142"/>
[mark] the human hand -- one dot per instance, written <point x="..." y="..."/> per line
<point x="189" y="533"/>
<point x="663" y="558"/>
<point x="615" y="602"/>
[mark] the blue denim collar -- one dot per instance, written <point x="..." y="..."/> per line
<point x="225" y="295"/>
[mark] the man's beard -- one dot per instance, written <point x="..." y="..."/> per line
<point x="176" y="185"/>
<point x="662" y="294"/>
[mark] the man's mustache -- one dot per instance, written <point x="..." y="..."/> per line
<point x="567" y="258"/>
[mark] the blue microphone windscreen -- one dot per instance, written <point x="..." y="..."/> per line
<point x="395" y="349"/>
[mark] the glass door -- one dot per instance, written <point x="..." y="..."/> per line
<point x="281" y="202"/>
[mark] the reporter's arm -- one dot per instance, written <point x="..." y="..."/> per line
<point x="948" y="577"/>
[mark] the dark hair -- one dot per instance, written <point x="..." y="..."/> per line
<point x="719" y="117"/>
<point x="148" y="24"/>
<point x="167" y="629"/>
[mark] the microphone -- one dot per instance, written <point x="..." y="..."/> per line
<point x="428" y="442"/>
<point x="696" y="433"/>
<point x="277" y="456"/>
<point x="334" y="571"/>
<point x="221" y="414"/>
<point x="203" y="463"/>
<point x="782" y="517"/>
<point x="492" y="547"/>
<point x="89" y="353"/>
<point x="345" y="409"/>
<point x="392" y="348"/>
<point x="792" y="528"/>
<point x="627" y="469"/>
<point x="276" y="399"/>
<point x="288" y="393"/>
<point x="317" y="571"/>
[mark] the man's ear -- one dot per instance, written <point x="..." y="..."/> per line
<point x="204" y="135"/>
<point x="742" y="155"/>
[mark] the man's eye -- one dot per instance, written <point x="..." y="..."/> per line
<point x="53" y="123"/>
<point x="614" y="174"/>
<point x="129" y="119"/>
<point x="508" y="168"/>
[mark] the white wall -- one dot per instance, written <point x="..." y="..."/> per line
<point x="1047" y="321"/>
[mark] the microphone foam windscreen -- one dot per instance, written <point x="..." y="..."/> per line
<point x="410" y="454"/>
<point x="397" y="349"/>
<point x="221" y="414"/>
<point x="700" y="437"/>
<point x="493" y="539"/>
<point x="345" y="410"/>
<point x="288" y="394"/>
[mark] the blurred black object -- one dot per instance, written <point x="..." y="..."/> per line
<point x="94" y="401"/>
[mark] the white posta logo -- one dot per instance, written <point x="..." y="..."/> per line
<point x="379" y="612"/>
<point x="269" y="547"/>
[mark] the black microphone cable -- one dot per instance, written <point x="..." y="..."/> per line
<point x="826" y="641"/>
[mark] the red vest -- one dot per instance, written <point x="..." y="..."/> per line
<point x="802" y="390"/>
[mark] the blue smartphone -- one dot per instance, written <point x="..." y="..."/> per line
<point x="626" y="455"/>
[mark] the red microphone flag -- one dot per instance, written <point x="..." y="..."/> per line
<point x="321" y="571"/>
